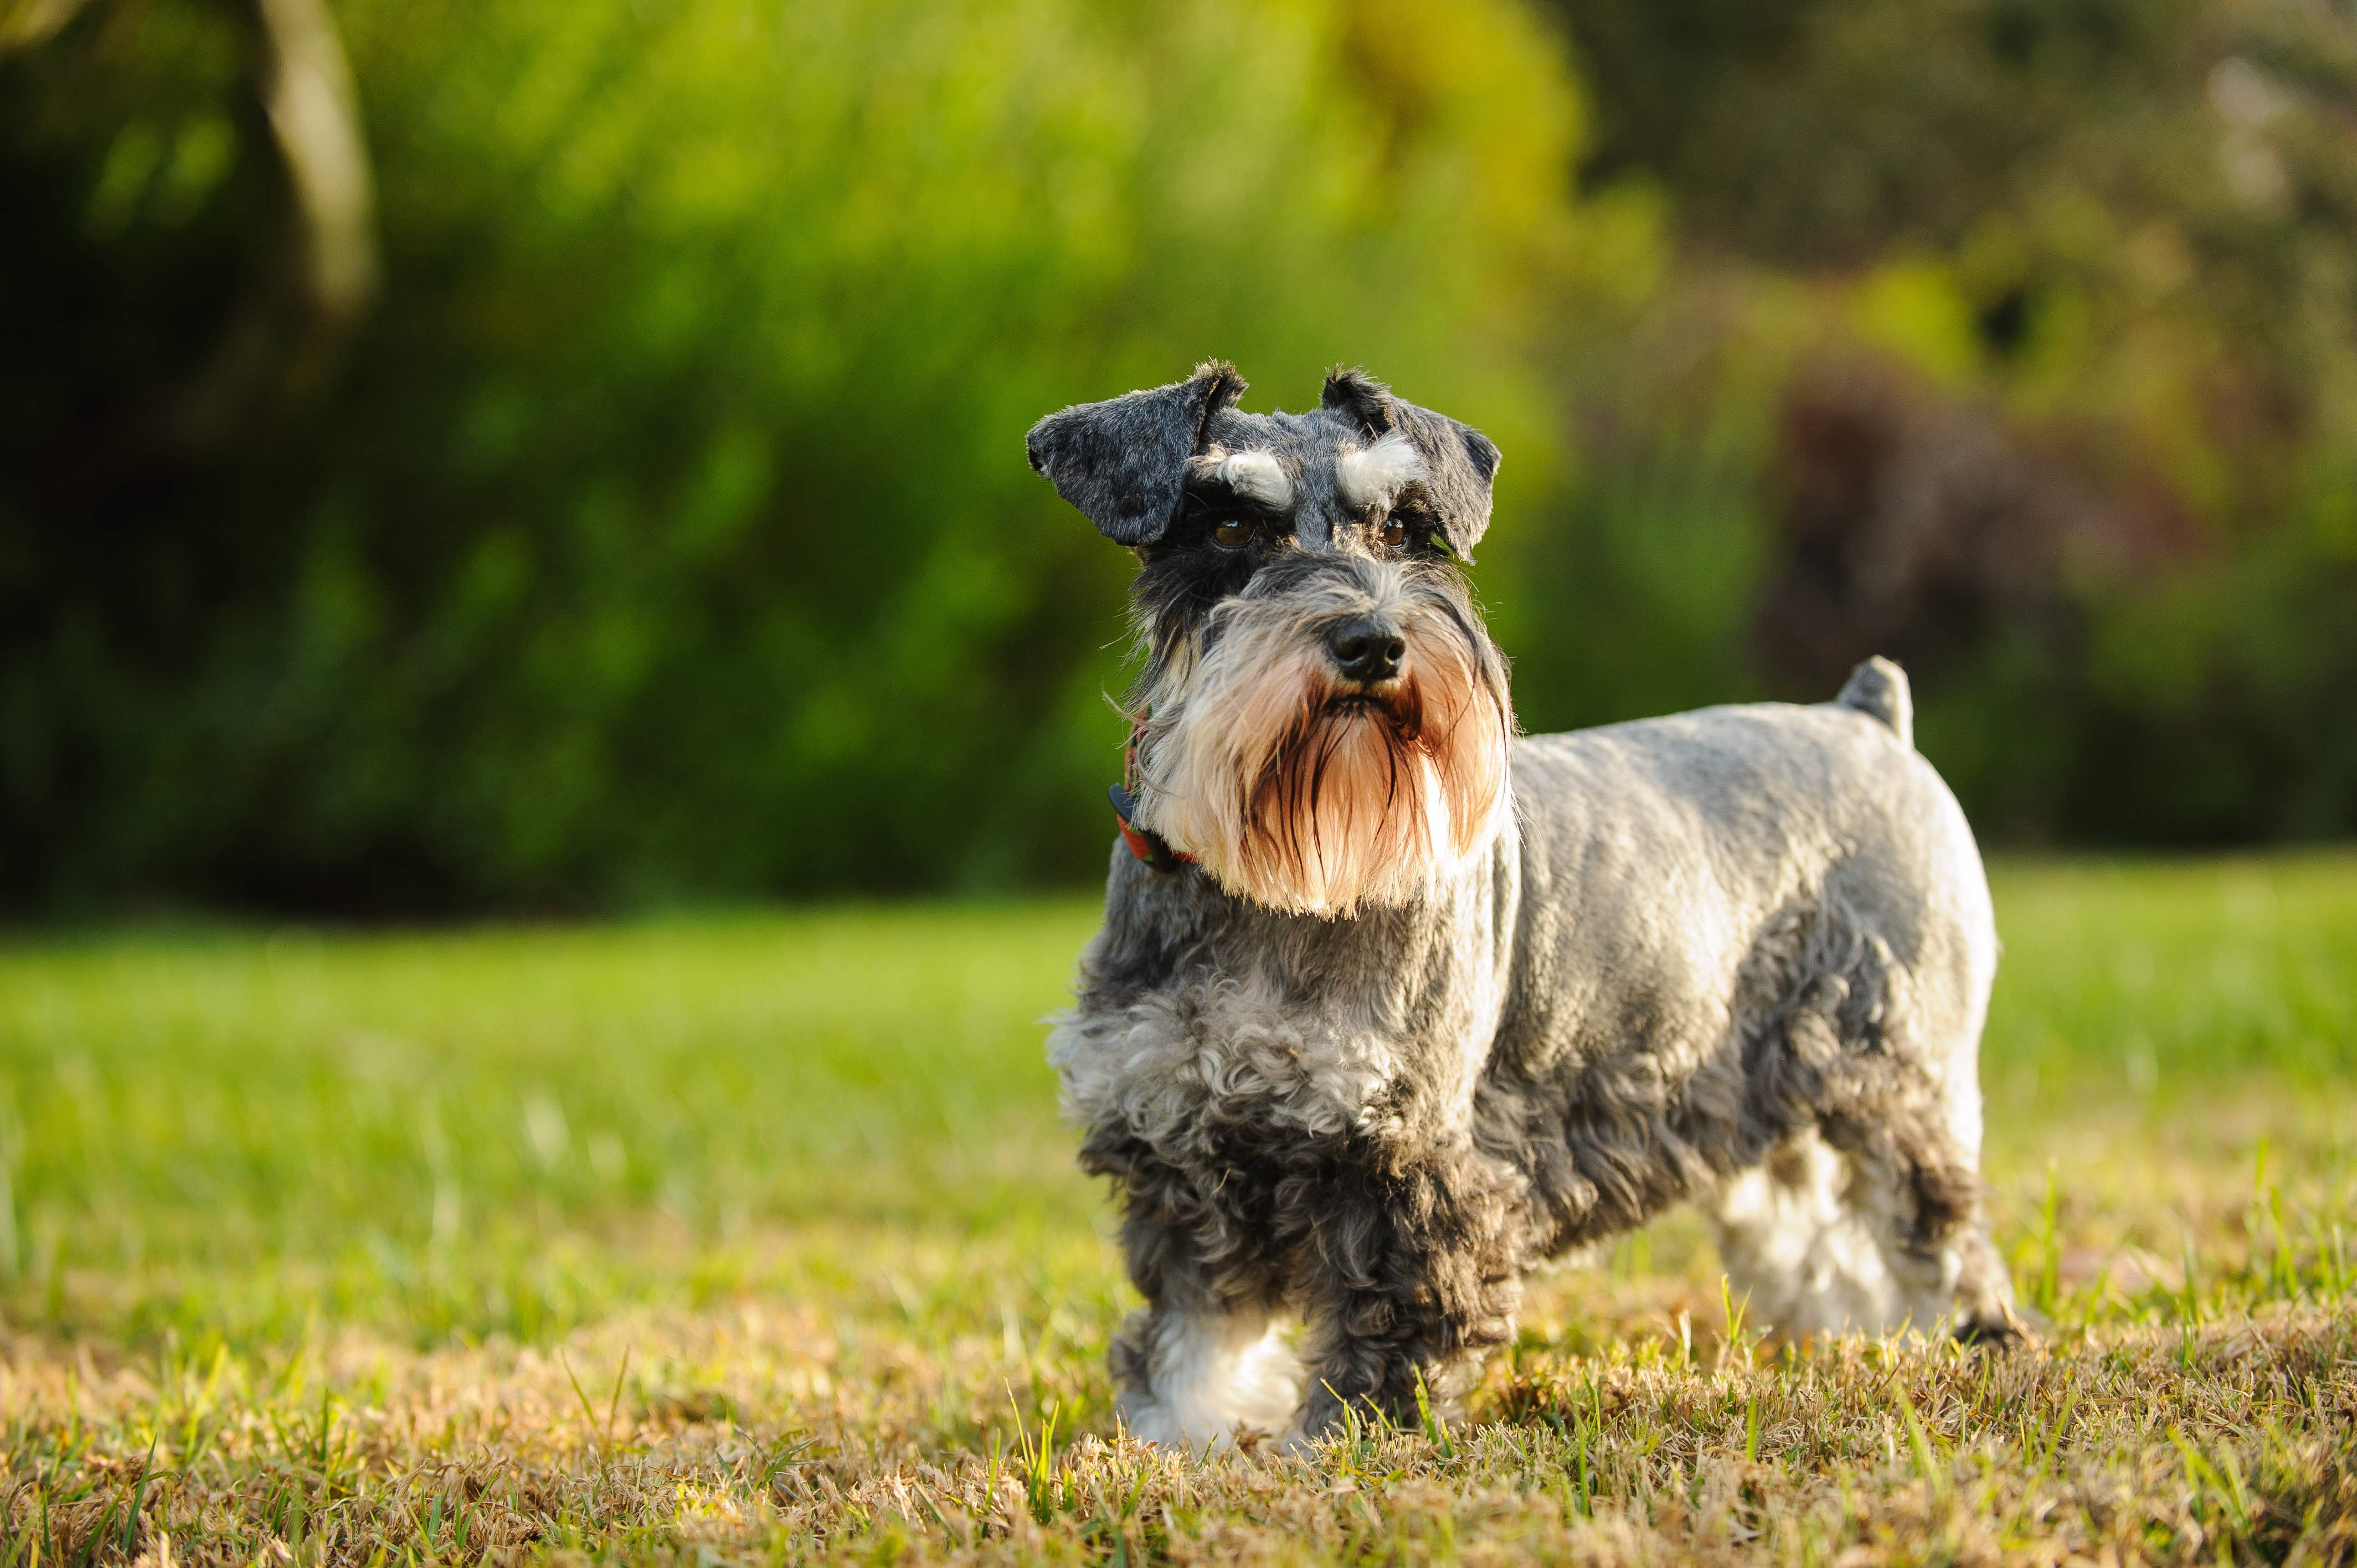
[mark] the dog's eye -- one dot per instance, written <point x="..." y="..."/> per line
<point x="1233" y="533"/>
<point x="1395" y="534"/>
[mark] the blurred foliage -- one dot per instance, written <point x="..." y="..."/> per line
<point x="670" y="532"/>
<point x="2017" y="340"/>
<point x="665" y="533"/>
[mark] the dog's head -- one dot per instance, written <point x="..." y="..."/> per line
<point x="1323" y="719"/>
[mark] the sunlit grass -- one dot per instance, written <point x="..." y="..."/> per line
<point x="501" y="1132"/>
<point x="758" y="1231"/>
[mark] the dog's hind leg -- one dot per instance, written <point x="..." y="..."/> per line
<point x="1868" y="1223"/>
<point x="1909" y="1127"/>
<point x="1797" y="1253"/>
<point x="1867" y="1215"/>
<point x="1918" y="1195"/>
<point x="1819" y="1240"/>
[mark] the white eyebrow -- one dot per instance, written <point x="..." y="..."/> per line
<point x="1372" y="477"/>
<point x="1255" y="475"/>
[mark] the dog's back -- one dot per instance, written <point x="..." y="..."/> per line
<point x="1744" y="812"/>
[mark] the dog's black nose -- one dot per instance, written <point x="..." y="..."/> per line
<point x="1365" y="650"/>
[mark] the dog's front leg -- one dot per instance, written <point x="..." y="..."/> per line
<point x="1195" y="1377"/>
<point x="1410" y="1271"/>
<point x="1204" y="1359"/>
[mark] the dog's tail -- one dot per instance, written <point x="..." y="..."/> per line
<point x="1877" y="688"/>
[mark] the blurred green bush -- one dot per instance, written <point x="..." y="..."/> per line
<point x="668" y="531"/>
<point x="2016" y="340"/>
<point x="663" y="533"/>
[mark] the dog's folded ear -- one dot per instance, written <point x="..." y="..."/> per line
<point x="1460" y="462"/>
<point x="1123" y="462"/>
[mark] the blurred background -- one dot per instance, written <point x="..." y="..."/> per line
<point x="532" y="457"/>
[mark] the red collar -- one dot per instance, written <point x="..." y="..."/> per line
<point x="1144" y="843"/>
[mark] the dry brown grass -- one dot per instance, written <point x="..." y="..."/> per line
<point x="945" y="1400"/>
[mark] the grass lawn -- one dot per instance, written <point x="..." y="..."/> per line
<point x="756" y="1237"/>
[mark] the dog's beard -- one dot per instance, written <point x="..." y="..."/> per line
<point x="1308" y="795"/>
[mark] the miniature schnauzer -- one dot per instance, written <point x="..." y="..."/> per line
<point x="1391" y="1003"/>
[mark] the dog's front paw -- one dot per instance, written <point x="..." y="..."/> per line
<point x="1148" y="1419"/>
